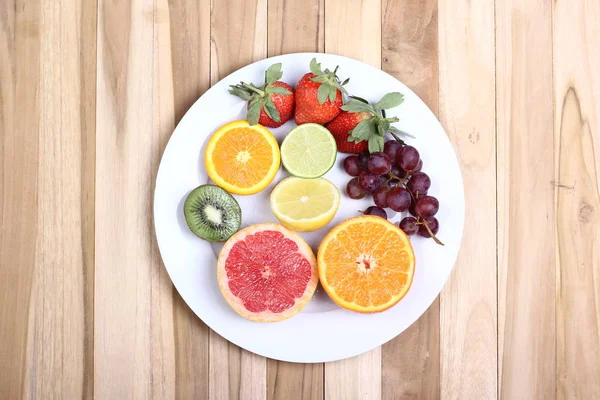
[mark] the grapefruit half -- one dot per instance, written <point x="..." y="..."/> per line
<point x="267" y="273"/>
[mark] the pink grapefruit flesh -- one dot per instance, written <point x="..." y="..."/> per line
<point x="267" y="273"/>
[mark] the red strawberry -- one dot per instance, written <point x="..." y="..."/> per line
<point x="362" y="126"/>
<point x="341" y="127"/>
<point x="270" y="105"/>
<point x="318" y="96"/>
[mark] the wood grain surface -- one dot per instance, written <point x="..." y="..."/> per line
<point x="90" y="92"/>
<point x="468" y="310"/>
<point x="411" y="361"/>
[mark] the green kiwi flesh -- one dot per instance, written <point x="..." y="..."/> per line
<point x="212" y="213"/>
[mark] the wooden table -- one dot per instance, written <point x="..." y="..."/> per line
<point x="90" y="91"/>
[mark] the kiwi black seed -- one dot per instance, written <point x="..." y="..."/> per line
<point x="212" y="213"/>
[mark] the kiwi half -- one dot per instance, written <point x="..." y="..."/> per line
<point x="212" y="213"/>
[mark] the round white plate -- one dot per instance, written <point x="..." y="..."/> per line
<point x="322" y="331"/>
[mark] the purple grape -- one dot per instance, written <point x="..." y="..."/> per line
<point x="353" y="189"/>
<point x="409" y="225"/>
<point x="408" y="158"/>
<point x="363" y="159"/>
<point x="380" y="196"/>
<point x="399" y="172"/>
<point x="380" y="212"/>
<point x="379" y="163"/>
<point x="368" y="181"/>
<point x="398" y="199"/>
<point x="433" y="224"/>
<point x="419" y="183"/>
<point x="351" y="166"/>
<point x="412" y="210"/>
<point x="419" y="166"/>
<point x="390" y="148"/>
<point x="415" y="198"/>
<point x="427" y="206"/>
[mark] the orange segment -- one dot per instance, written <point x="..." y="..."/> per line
<point x="242" y="159"/>
<point x="366" y="264"/>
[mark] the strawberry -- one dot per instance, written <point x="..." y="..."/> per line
<point x="340" y="128"/>
<point x="318" y="95"/>
<point x="361" y="126"/>
<point x="270" y="105"/>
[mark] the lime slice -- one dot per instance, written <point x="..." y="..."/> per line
<point x="308" y="151"/>
<point x="305" y="205"/>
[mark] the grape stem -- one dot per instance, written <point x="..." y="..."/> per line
<point x="426" y="224"/>
<point x="402" y="142"/>
<point x="393" y="176"/>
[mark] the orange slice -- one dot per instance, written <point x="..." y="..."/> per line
<point x="366" y="264"/>
<point x="242" y="159"/>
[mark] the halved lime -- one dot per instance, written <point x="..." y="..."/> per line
<point x="308" y="151"/>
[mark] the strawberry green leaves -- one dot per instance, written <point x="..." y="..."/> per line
<point x="261" y="97"/>
<point x="273" y="74"/>
<point x="374" y="129"/>
<point x="354" y="105"/>
<point x="329" y="81"/>
<point x="390" y="100"/>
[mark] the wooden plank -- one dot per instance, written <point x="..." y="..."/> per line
<point x="577" y="191"/>
<point x="357" y="377"/>
<point x="294" y="381"/>
<point x="235" y="373"/>
<point x="363" y="41"/>
<point x="295" y="27"/>
<point x="238" y="35"/>
<point x="411" y="362"/>
<point x="190" y="57"/>
<point x="354" y="378"/>
<point x="19" y="125"/>
<point x="526" y="243"/>
<point x="47" y="198"/>
<point x="134" y="341"/>
<point x="468" y="312"/>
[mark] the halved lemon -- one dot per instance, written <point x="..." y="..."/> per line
<point x="242" y="159"/>
<point x="305" y="205"/>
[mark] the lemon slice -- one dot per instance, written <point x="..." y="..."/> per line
<point x="305" y="205"/>
<point x="308" y="151"/>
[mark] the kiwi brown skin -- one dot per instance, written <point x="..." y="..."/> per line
<point x="224" y="216"/>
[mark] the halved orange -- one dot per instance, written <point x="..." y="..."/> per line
<point x="366" y="264"/>
<point x="242" y="159"/>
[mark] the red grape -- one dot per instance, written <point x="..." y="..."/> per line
<point x="380" y="196"/>
<point x="390" y="148"/>
<point x="380" y="212"/>
<point x="419" y="182"/>
<point x="412" y="210"/>
<point x="433" y="224"/>
<point x="369" y="182"/>
<point x="398" y="199"/>
<point x="353" y="189"/>
<point x="419" y="166"/>
<point x="427" y="206"/>
<point x="408" y="158"/>
<point x="399" y="172"/>
<point x="363" y="158"/>
<point x="351" y="166"/>
<point x="379" y="163"/>
<point x="409" y="225"/>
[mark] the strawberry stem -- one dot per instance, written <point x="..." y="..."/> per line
<point x="255" y="90"/>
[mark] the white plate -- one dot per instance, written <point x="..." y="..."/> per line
<point x="322" y="331"/>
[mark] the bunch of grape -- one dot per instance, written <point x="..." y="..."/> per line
<point x="395" y="180"/>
